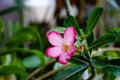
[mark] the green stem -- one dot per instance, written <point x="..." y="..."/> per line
<point x="20" y="13"/>
<point x="40" y="41"/>
<point x="86" y="51"/>
<point x="68" y="7"/>
<point x="93" y="73"/>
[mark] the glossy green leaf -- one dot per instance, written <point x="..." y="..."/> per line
<point x="71" y="73"/>
<point x="112" y="54"/>
<point x="105" y="39"/>
<point x="31" y="62"/>
<point x="6" y="70"/>
<point x="21" y="36"/>
<point x="78" y="60"/>
<point x="17" y="40"/>
<point x="1" y="24"/>
<point x="11" y="28"/>
<point x="93" y="19"/>
<point x="99" y="61"/>
<point x="12" y="50"/>
<point x="116" y="32"/>
<point x="34" y="32"/>
<point x="17" y="26"/>
<point x="114" y="67"/>
<point x="71" y="21"/>
<point x="40" y="40"/>
<point x="59" y="29"/>
<point x="110" y="37"/>
<point x="22" y="76"/>
<point x="28" y="29"/>
<point x="108" y="75"/>
<point x="90" y="38"/>
<point x="57" y="65"/>
<point x="40" y="55"/>
<point x="1" y="31"/>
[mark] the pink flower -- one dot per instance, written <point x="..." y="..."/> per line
<point x="63" y="48"/>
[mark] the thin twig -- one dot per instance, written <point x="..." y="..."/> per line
<point x="51" y="72"/>
<point x="68" y="7"/>
<point x="95" y="52"/>
<point x="110" y="49"/>
<point x="38" y="70"/>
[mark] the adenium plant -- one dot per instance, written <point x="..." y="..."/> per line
<point x="76" y="46"/>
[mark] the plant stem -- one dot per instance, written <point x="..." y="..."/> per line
<point x="52" y="72"/>
<point x="102" y="50"/>
<point x="38" y="70"/>
<point x="68" y="7"/>
<point x="93" y="73"/>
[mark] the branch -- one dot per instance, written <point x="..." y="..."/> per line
<point x="52" y="72"/>
<point x="95" y="52"/>
<point x="38" y="70"/>
<point x="68" y="7"/>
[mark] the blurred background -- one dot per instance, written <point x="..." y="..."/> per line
<point x="25" y="23"/>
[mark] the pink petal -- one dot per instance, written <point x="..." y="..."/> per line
<point x="63" y="58"/>
<point x="55" y="38"/>
<point x="71" y="50"/>
<point x="69" y="35"/>
<point x="53" y="52"/>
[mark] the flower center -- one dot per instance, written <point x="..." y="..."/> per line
<point x="65" y="47"/>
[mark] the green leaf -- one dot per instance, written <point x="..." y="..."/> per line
<point x="59" y="29"/>
<point x="40" y="40"/>
<point x="10" y="27"/>
<point x="40" y="55"/>
<point x="71" y="21"/>
<point x="114" y="67"/>
<point x="105" y="39"/>
<point x="34" y="32"/>
<point x="99" y="61"/>
<point x="1" y="31"/>
<point x="78" y="60"/>
<point x="1" y="24"/>
<point x="11" y="69"/>
<point x="17" y="26"/>
<point x="17" y="40"/>
<point x="12" y="50"/>
<point x="112" y="54"/>
<point x="93" y="19"/>
<point x="116" y="32"/>
<point x="108" y="76"/>
<point x="28" y="29"/>
<point x="31" y="62"/>
<point x="71" y="73"/>
<point x="90" y="38"/>
<point x="22" y="76"/>
<point x="21" y="36"/>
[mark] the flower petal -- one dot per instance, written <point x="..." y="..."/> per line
<point x="63" y="58"/>
<point x="71" y="50"/>
<point x="53" y="52"/>
<point x="55" y="38"/>
<point x="69" y="35"/>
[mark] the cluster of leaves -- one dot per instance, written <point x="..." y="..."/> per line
<point x="11" y="49"/>
<point x="14" y="57"/>
<point x="85" y="60"/>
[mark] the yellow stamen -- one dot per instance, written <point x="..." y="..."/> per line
<point x="65" y="48"/>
